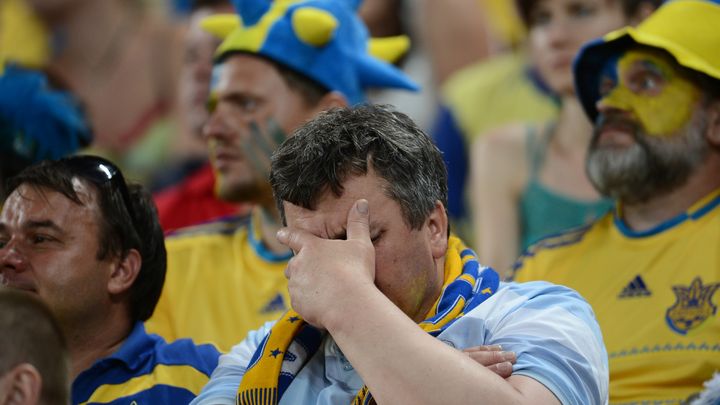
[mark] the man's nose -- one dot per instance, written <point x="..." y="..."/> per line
<point x="559" y="33"/>
<point x="214" y="127"/>
<point x="614" y="101"/>
<point x="12" y="258"/>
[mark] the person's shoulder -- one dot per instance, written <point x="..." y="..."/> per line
<point x="185" y="352"/>
<point x="501" y="151"/>
<point x="505" y="143"/>
<point x="539" y="293"/>
<point x="541" y="302"/>
<point x="523" y="305"/>
<point x="510" y="136"/>
<point x="557" y="338"/>
<point x="559" y="247"/>
<point x="246" y="348"/>
<point x="221" y="227"/>
<point x="485" y="73"/>
<point x="532" y="297"/>
<point x="561" y="240"/>
<point x="544" y="294"/>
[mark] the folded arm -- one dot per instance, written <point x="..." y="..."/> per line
<point x="398" y="361"/>
<point x="401" y="363"/>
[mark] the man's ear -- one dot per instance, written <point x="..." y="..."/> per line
<point x="21" y="385"/>
<point x="437" y="225"/>
<point x="125" y="272"/>
<point x="713" y="129"/>
<point x="330" y="100"/>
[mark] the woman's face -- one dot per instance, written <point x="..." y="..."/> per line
<point x="558" y="28"/>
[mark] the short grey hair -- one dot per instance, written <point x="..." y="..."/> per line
<point x="345" y="142"/>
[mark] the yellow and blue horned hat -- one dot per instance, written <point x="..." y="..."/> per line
<point x="321" y="39"/>
<point x="687" y="29"/>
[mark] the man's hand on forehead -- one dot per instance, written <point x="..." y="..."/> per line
<point x="325" y="276"/>
<point x="261" y="143"/>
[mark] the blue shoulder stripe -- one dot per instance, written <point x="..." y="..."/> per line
<point x="143" y="362"/>
<point x="565" y="238"/>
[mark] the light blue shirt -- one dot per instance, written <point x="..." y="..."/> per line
<point x="551" y="328"/>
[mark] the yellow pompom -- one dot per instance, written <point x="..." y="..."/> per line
<point x="314" y="26"/>
<point x="221" y="25"/>
<point x="389" y="49"/>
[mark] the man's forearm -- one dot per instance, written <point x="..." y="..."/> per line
<point x="401" y="363"/>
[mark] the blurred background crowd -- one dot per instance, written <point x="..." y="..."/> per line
<point x="130" y="80"/>
<point x="140" y="72"/>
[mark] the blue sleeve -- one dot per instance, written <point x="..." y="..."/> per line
<point x="558" y="341"/>
<point x="225" y="380"/>
<point x="554" y="333"/>
<point x="451" y="142"/>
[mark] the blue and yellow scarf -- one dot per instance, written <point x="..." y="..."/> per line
<point x="292" y="342"/>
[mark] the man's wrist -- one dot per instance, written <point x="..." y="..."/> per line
<point x="352" y="307"/>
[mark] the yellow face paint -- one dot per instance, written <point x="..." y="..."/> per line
<point x="651" y="89"/>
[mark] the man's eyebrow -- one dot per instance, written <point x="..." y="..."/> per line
<point x="43" y="224"/>
<point x="32" y="225"/>
<point x="653" y="67"/>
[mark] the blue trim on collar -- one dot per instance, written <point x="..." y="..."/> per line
<point x="135" y="347"/>
<point x="132" y="355"/>
<point x="670" y="223"/>
<point x="706" y="208"/>
<point x="537" y="81"/>
<point x="264" y="252"/>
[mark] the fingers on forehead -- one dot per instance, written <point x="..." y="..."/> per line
<point x="358" y="221"/>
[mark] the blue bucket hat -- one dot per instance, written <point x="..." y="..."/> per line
<point x="687" y="29"/>
<point x="321" y="39"/>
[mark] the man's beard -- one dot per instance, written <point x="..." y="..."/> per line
<point x="652" y="166"/>
<point x="256" y="191"/>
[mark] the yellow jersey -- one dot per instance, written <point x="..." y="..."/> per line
<point x="221" y="283"/>
<point x="496" y="92"/>
<point x="654" y="294"/>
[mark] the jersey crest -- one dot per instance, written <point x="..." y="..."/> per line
<point x="692" y="307"/>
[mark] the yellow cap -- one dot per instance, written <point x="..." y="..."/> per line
<point x="687" y="29"/>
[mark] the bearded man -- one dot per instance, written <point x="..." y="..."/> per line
<point x="651" y="268"/>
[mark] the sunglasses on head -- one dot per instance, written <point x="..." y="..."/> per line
<point x="100" y="171"/>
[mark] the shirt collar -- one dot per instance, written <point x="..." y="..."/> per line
<point x="695" y="212"/>
<point x="255" y="239"/>
<point x="134" y="348"/>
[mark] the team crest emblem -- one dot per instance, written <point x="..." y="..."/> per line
<point x="692" y="307"/>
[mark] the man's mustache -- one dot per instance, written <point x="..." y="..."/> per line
<point x="615" y="121"/>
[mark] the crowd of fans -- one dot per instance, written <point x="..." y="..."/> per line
<point x="359" y="201"/>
